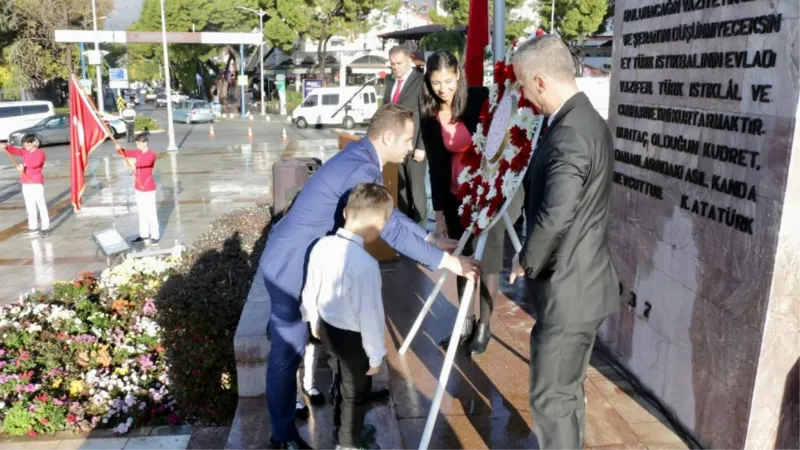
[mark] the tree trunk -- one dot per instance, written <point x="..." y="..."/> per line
<point x="321" y="60"/>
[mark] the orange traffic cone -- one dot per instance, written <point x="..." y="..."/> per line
<point x="250" y="133"/>
<point x="284" y="137"/>
<point x="211" y="133"/>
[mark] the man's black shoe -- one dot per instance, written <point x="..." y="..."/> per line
<point x="138" y="240"/>
<point x="378" y="396"/>
<point x="297" y="444"/>
<point x="301" y="411"/>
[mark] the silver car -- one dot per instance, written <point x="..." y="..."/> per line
<point x="190" y="111"/>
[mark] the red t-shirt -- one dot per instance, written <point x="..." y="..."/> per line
<point x="145" y="161"/>
<point x="33" y="163"/>
<point x="457" y="140"/>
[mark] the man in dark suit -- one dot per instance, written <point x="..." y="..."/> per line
<point x="403" y="89"/>
<point x="316" y="212"/>
<point x="566" y="261"/>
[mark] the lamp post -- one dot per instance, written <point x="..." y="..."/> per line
<point x="170" y="126"/>
<point x="99" y="62"/>
<point x="261" y="13"/>
<point x="552" y="15"/>
<point x="83" y="51"/>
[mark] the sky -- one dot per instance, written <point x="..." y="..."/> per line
<point x="125" y="12"/>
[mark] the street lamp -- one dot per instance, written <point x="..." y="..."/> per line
<point x="83" y="57"/>
<point x="552" y="15"/>
<point x="171" y="127"/>
<point x="261" y="13"/>
<point x="99" y="63"/>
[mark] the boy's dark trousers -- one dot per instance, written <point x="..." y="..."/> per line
<point x="351" y="383"/>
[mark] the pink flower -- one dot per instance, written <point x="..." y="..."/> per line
<point x="24" y="355"/>
<point x="72" y="418"/>
<point x="45" y="421"/>
<point x="31" y="433"/>
<point x="149" y="307"/>
<point x="32" y="408"/>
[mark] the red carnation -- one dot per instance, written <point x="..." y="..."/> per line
<point x="523" y="102"/>
<point x="484" y="111"/>
<point x="499" y="72"/>
<point x="519" y="137"/>
<point x="471" y="159"/>
<point x="487" y="124"/>
<point x="463" y="191"/>
<point x="509" y="73"/>
<point x="503" y="166"/>
<point x="72" y="418"/>
<point x="522" y="159"/>
<point x="466" y="217"/>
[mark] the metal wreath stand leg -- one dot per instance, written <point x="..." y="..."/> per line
<point x="463" y="309"/>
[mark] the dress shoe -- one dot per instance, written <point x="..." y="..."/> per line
<point x="378" y="396"/>
<point x="297" y="444"/>
<point x="481" y="339"/>
<point x="301" y="411"/>
<point x="367" y="434"/>
<point x="372" y="446"/>
<point x="466" y="334"/>
<point x="316" y="397"/>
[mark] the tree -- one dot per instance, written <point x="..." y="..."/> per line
<point x="450" y="40"/>
<point x="28" y="28"/>
<point x="574" y="19"/>
<point x="286" y="20"/>
<point x="458" y="14"/>
<point x="343" y="18"/>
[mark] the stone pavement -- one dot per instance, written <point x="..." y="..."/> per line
<point x="195" y="186"/>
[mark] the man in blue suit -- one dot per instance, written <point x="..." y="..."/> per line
<point x="316" y="212"/>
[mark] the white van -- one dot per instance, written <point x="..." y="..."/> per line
<point x="18" y="115"/>
<point x="323" y="106"/>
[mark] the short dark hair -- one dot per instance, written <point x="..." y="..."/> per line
<point x="390" y="117"/>
<point x="29" y="139"/>
<point x="370" y="198"/>
<point x="430" y="103"/>
<point x="142" y="137"/>
<point x="399" y="49"/>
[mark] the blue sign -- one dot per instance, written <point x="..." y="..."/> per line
<point x="118" y="74"/>
<point x="310" y="85"/>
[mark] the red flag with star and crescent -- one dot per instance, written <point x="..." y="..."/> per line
<point x="86" y="132"/>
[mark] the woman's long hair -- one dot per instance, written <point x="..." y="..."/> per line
<point x="430" y="103"/>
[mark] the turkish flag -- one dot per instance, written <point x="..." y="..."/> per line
<point x="477" y="40"/>
<point x="86" y="132"/>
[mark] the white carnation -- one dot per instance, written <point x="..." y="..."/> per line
<point x="483" y="219"/>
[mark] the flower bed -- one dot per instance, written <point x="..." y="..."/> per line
<point x="148" y="343"/>
<point x="86" y="355"/>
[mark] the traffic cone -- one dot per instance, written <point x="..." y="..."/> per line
<point x="250" y="133"/>
<point x="211" y="133"/>
<point x="283" y="136"/>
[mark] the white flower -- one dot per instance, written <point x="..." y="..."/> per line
<point x="480" y="190"/>
<point x="483" y="219"/>
<point x="492" y="193"/>
<point x="508" y="186"/>
<point x="35" y="328"/>
<point x="2" y="405"/>
<point x="464" y="176"/>
<point x="510" y="152"/>
<point x="479" y="139"/>
<point x="493" y="94"/>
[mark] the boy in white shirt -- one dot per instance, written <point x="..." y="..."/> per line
<point x="343" y="304"/>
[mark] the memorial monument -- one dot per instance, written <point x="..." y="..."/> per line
<point x="705" y="227"/>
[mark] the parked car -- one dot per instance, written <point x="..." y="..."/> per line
<point x="18" y="115"/>
<point x="150" y="96"/>
<point x="161" y="100"/>
<point x="116" y="124"/>
<point x="324" y="106"/>
<point x="52" y="130"/>
<point x="190" y="111"/>
<point x="178" y="97"/>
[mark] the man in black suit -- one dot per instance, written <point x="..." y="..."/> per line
<point x="403" y="89"/>
<point x="566" y="261"/>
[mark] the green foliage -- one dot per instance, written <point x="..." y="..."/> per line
<point x="199" y="309"/>
<point x="451" y="40"/>
<point x="145" y="123"/>
<point x="342" y="18"/>
<point x="574" y="19"/>
<point x="458" y="14"/>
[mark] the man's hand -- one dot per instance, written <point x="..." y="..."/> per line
<point x="444" y="243"/>
<point x="118" y="147"/>
<point x="441" y="225"/>
<point x="373" y="371"/>
<point x="3" y="145"/>
<point x="462" y="266"/>
<point x="516" y="270"/>
<point x="20" y="168"/>
<point x="419" y="155"/>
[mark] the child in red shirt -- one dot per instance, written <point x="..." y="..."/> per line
<point x="145" y="187"/>
<point x="32" y="181"/>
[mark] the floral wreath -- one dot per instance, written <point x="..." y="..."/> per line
<point x="489" y="178"/>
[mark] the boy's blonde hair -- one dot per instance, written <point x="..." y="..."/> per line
<point x="369" y="198"/>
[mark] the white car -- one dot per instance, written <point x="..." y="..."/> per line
<point x="115" y="123"/>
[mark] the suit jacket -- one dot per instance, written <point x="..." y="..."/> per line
<point x="317" y="212"/>
<point x="439" y="159"/>
<point x="409" y="98"/>
<point x="566" y="257"/>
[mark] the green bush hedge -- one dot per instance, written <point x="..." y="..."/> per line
<point x="146" y="123"/>
<point x="199" y="307"/>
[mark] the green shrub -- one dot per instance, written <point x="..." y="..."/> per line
<point x="199" y="309"/>
<point x="146" y="123"/>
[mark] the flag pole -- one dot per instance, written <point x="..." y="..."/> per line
<point x="16" y="165"/>
<point x="110" y="134"/>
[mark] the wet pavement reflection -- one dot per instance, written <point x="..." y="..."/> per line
<point x="194" y="187"/>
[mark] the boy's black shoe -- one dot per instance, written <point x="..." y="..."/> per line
<point x="152" y="242"/>
<point x="301" y="411"/>
<point x="378" y="396"/>
<point x="44" y="233"/>
<point x="298" y="444"/>
<point x="138" y="240"/>
<point x="314" y="396"/>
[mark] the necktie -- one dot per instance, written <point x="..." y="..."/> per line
<point x="396" y="95"/>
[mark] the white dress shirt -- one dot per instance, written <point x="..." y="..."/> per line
<point x="404" y="78"/>
<point x="553" y="116"/>
<point x="343" y="288"/>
